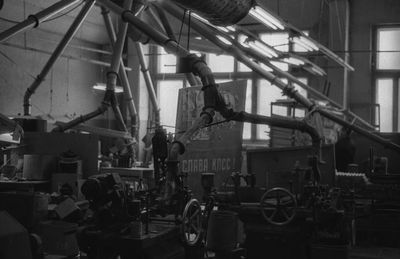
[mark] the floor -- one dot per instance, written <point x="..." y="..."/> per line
<point x="374" y="253"/>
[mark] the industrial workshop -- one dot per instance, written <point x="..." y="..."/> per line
<point x="199" y="129"/>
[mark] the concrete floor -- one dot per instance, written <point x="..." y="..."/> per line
<point x="374" y="253"/>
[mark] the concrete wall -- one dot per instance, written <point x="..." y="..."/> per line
<point x="364" y="15"/>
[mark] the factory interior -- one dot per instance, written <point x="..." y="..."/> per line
<point x="196" y="129"/>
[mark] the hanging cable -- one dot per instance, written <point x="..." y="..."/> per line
<point x="188" y="36"/>
<point x="8" y="20"/>
<point x="17" y="66"/>
<point x="339" y="22"/>
<point x="180" y="31"/>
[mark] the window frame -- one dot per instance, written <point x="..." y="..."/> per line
<point x="393" y="74"/>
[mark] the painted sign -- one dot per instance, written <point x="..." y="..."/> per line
<point x="215" y="149"/>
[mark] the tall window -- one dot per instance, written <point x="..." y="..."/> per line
<point x="387" y="78"/>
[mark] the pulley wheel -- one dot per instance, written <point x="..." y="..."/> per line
<point x="278" y="206"/>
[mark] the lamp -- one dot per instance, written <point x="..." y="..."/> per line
<point x="293" y="61"/>
<point x="314" y="70"/>
<point x="224" y="40"/>
<point x="304" y="42"/>
<point x="262" y="48"/>
<point x="266" y="18"/>
<point x="103" y="87"/>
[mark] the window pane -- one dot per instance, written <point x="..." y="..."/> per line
<point x="168" y="97"/>
<point x="247" y="126"/>
<point x="388" y="40"/>
<point x="278" y="40"/>
<point x="301" y="90"/>
<point x="281" y="65"/>
<point x="384" y="97"/>
<point x="166" y="62"/>
<point x="266" y="93"/>
<point x="242" y="67"/>
<point x="221" y="63"/>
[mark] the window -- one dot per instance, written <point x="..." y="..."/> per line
<point x="260" y="93"/>
<point x="166" y="62"/>
<point x="221" y="63"/>
<point x="266" y="93"/>
<point x="280" y="41"/>
<point x="388" y="54"/>
<point x="168" y="91"/>
<point x="387" y="77"/>
<point x="247" y="126"/>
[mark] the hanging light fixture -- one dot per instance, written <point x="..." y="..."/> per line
<point x="305" y="43"/>
<point x="224" y="40"/>
<point x="266" y="18"/>
<point x="315" y="70"/>
<point x="103" y="87"/>
<point x="261" y="47"/>
<point x="293" y="61"/>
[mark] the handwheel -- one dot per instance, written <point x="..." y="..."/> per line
<point x="278" y="206"/>
<point x="191" y="227"/>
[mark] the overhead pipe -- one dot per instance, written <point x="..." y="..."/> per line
<point x="198" y="67"/>
<point x="289" y="76"/>
<point x="287" y="89"/>
<point x="56" y="54"/>
<point x="83" y="118"/>
<point x="109" y="99"/>
<point x="213" y="100"/>
<point x="122" y="73"/>
<point x="33" y="20"/>
<point x="112" y="74"/>
<point x="384" y="142"/>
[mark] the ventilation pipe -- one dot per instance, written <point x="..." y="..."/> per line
<point x="122" y="73"/>
<point x="219" y="12"/>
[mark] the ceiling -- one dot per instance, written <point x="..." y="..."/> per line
<point x="93" y="30"/>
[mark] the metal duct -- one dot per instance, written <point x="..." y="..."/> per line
<point x="219" y="12"/>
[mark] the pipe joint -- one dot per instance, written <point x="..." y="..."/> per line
<point x="112" y="73"/>
<point x="124" y="13"/>
<point x="208" y="114"/>
<point x="108" y="97"/>
<point x="35" y="19"/>
<point x="104" y="11"/>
